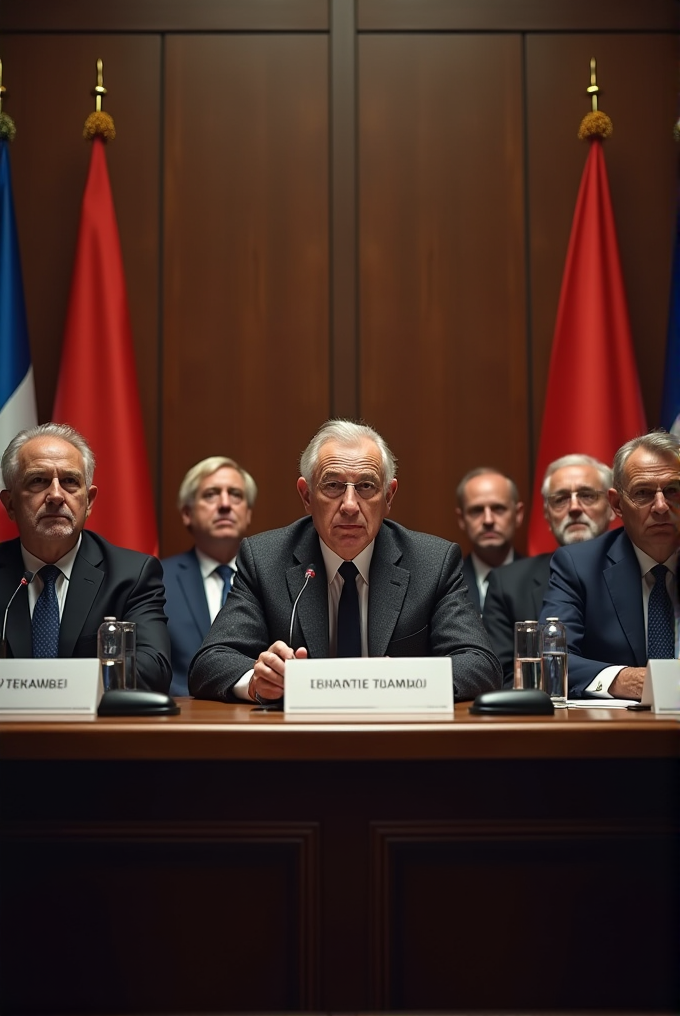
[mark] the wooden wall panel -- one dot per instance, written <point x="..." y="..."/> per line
<point x="246" y="308"/>
<point x="641" y="166"/>
<point x="442" y="294"/>
<point x="49" y="80"/>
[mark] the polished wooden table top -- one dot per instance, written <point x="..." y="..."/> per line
<point x="214" y="730"/>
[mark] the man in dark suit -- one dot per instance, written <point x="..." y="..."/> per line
<point x="80" y="578"/>
<point x="360" y="585"/>
<point x="216" y="499"/>
<point x="617" y="595"/>
<point x="576" y="508"/>
<point x="489" y="513"/>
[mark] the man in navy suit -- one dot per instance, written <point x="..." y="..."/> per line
<point x="610" y="592"/>
<point x="489" y="513"/>
<point x="576" y="507"/>
<point x="345" y="581"/>
<point x="79" y="578"/>
<point x="216" y="499"/>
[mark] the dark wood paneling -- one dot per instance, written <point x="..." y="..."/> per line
<point x="164" y="15"/>
<point x="641" y="167"/>
<point x="524" y="15"/>
<point x="246" y="309"/>
<point x="49" y="81"/>
<point x="443" y="350"/>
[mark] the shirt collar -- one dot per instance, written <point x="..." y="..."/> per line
<point x="647" y="563"/>
<point x="64" y="564"/>
<point x="332" y="561"/>
<point x="482" y="569"/>
<point x="208" y="564"/>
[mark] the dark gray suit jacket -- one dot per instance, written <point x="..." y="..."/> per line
<point x="515" y="593"/>
<point x="416" y="607"/>
<point x="105" y="581"/>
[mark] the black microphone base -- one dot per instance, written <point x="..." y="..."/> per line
<point x="137" y="703"/>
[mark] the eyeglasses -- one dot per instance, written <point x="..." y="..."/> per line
<point x="236" y="496"/>
<point x="585" y="496"/>
<point x="642" y="497"/>
<point x="333" y="489"/>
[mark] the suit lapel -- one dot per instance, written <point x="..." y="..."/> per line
<point x="191" y="584"/>
<point x="624" y="584"/>
<point x="19" y="635"/>
<point x="86" y="578"/>
<point x="386" y="591"/>
<point x="311" y="614"/>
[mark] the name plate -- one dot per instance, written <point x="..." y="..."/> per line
<point x="369" y="685"/>
<point x="50" y="686"/>
<point x="661" y="689"/>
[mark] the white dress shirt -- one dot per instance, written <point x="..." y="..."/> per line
<point x="36" y="586"/>
<point x="212" y="582"/>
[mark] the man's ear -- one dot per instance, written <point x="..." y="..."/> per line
<point x="185" y="515"/>
<point x="615" y="501"/>
<point x="459" y="516"/>
<point x="391" y="491"/>
<point x="305" y="493"/>
<point x="6" y="498"/>
<point x="91" y="495"/>
<point x="519" y="513"/>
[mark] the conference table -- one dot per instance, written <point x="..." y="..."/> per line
<point x="234" y="860"/>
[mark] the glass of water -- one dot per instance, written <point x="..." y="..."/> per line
<point x="528" y="655"/>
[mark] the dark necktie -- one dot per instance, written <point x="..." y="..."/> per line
<point x="349" y="623"/>
<point x="225" y="571"/>
<point x="660" y="618"/>
<point x="46" y="615"/>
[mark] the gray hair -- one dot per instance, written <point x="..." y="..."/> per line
<point x="9" y="467"/>
<point x="188" y="488"/>
<point x="659" y="442"/>
<point x="576" y="460"/>
<point x="348" y="433"/>
<point x="484" y="471"/>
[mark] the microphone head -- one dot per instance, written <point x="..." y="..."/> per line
<point x="310" y="573"/>
<point x="27" y="578"/>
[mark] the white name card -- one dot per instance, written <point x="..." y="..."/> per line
<point x="661" y="689"/>
<point x="369" y="685"/>
<point x="50" y="686"/>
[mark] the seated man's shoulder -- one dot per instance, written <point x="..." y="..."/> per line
<point x="407" y="539"/>
<point x="95" y="548"/>
<point x="271" y="540"/>
<point x="591" y="550"/>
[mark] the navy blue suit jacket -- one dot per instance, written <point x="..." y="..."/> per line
<point x="188" y="614"/>
<point x="596" y="590"/>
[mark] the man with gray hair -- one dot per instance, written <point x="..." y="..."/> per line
<point x="78" y="578"/>
<point x="215" y="500"/>
<point x="344" y="581"/>
<point x="576" y="508"/>
<point x="618" y="595"/>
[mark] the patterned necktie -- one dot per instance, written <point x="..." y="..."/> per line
<point x="349" y="623"/>
<point x="225" y="571"/>
<point x="660" y="618"/>
<point x="46" y="615"/>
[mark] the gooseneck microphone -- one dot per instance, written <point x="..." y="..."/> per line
<point x="26" y="580"/>
<point x="309" y="574"/>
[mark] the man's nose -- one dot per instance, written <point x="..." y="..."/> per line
<point x="488" y="518"/>
<point x="660" y="504"/>
<point x="349" y="499"/>
<point x="574" y="504"/>
<point x="225" y="499"/>
<point x="54" y="491"/>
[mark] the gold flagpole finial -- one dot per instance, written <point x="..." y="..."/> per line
<point x="7" y="128"/>
<point x="595" y="124"/>
<point x="99" y="123"/>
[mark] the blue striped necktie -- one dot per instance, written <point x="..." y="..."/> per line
<point x="46" y="615"/>
<point x="660" y="618"/>
<point x="225" y="571"/>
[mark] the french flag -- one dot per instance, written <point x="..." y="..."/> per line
<point x="17" y="392"/>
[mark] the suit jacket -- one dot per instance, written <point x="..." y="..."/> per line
<point x="515" y="593"/>
<point x="188" y="615"/>
<point x="105" y="581"/>
<point x="416" y="607"/>
<point x="596" y="590"/>
<point x="470" y="577"/>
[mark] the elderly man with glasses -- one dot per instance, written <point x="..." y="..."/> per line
<point x="344" y="581"/>
<point x="576" y="508"/>
<point x="618" y="594"/>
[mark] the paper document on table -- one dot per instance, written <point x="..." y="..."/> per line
<point x="602" y="703"/>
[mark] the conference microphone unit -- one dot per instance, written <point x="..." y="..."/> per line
<point x="26" y="580"/>
<point x="309" y="574"/>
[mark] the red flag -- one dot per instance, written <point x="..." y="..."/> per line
<point x="592" y="402"/>
<point x="97" y="392"/>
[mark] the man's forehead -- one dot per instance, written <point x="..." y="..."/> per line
<point x="365" y="455"/>
<point x="47" y="453"/>
<point x="225" y="476"/>
<point x="574" y="476"/>
<point x="487" y="487"/>
<point x="643" y="464"/>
